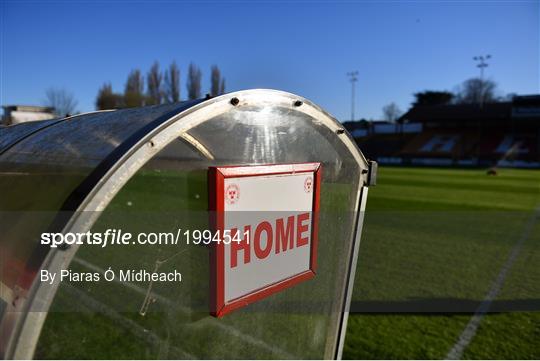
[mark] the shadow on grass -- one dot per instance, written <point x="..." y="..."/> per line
<point x="443" y="306"/>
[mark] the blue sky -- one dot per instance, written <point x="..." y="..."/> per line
<point x="303" y="47"/>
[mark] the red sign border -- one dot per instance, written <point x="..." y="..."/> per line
<point x="216" y="198"/>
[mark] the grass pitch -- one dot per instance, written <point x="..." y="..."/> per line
<point x="434" y="241"/>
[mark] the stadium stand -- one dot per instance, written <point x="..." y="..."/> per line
<point x="502" y="134"/>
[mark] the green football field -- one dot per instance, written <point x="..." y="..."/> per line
<point x="434" y="244"/>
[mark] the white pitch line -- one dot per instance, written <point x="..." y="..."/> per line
<point x="125" y="322"/>
<point x="231" y="330"/>
<point x="470" y="330"/>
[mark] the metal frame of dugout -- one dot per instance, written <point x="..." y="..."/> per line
<point x="62" y="174"/>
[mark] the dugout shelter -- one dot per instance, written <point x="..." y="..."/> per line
<point x="181" y="166"/>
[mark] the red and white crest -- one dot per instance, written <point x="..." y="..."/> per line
<point x="308" y="184"/>
<point x="232" y="193"/>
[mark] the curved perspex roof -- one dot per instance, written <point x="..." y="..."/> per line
<point x="59" y="175"/>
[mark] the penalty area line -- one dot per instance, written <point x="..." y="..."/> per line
<point x="470" y="330"/>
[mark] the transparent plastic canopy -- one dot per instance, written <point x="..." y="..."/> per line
<point x="146" y="168"/>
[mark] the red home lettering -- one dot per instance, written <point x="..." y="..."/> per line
<point x="284" y="236"/>
<point x="301" y="228"/>
<point x="266" y="227"/>
<point x="243" y="245"/>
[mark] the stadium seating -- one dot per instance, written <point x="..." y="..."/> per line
<point x="503" y="133"/>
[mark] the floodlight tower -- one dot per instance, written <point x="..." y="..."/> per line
<point x="353" y="78"/>
<point x="481" y="59"/>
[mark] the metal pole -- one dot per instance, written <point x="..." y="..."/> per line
<point x="353" y="78"/>
<point x="481" y="59"/>
<point x="352" y="100"/>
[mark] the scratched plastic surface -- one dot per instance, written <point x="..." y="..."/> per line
<point x="171" y="320"/>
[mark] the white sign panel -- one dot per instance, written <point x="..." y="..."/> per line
<point x="267" y="219"/>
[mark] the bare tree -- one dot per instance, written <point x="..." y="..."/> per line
<point x="433" y="97"/>
<point x="172" y="84"/>
<point x="476" y="91"/>
<point x="391" y="112"/>
<point x="107" y="99"/>
<point x="194" y="82"/>
<point x="153" y="81"/>
<point x="63" y="101"/>
<point x="216" y="82"/>
<point x="133" y="94"/>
